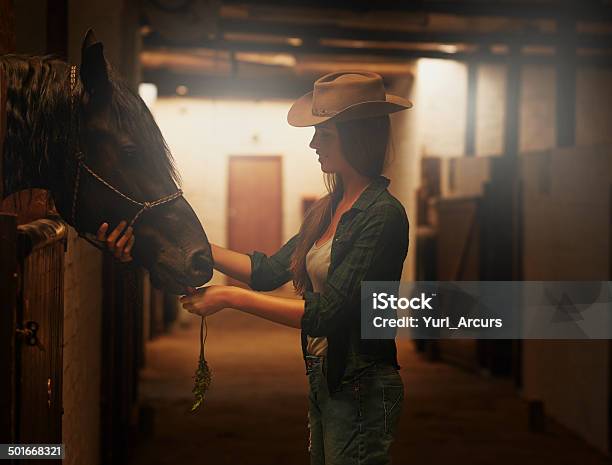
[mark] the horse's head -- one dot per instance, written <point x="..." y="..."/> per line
<point x="125" y="159"/>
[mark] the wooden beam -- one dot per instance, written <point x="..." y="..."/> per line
<point x="333" y="31"/>
<point x="581" y="9"/>
<point x="154" y="42"/>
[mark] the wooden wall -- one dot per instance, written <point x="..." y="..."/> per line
<point x="567" y="215"/>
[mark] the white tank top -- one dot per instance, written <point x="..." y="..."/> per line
<point x="317" y="264"/>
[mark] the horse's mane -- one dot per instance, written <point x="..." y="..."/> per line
<point x="37" y="113"/>
<point x="132" y="114"/>
<point x="38" y="118"/>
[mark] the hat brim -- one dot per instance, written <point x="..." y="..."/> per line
<point x="300" y="113"/>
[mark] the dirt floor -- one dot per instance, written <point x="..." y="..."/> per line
<point x="255" y="413"/>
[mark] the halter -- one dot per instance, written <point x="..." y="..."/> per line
<point x="82" y="165"/>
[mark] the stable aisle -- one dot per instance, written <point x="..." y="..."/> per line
<point x="255" y="412"/>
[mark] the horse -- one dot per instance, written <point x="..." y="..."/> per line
<point x="84" y="135"/>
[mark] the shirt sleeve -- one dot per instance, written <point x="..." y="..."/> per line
<point x="269" y="273"/>
<point x="325" y="312"/>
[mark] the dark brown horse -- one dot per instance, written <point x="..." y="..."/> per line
<point x="85" y="136"/>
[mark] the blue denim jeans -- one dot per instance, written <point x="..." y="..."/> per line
<point x="357" y="424"/>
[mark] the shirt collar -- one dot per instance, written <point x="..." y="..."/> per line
<point x="371" y="193"/>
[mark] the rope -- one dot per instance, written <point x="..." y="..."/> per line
<point x="204" y="330"/>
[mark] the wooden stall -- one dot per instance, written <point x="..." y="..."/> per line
<point x="469" y="233"/>
<point x="32" y="323"/>
<point x="121" y="358"/>
<point x="8" y="304"/>
<point x="60" y="313"/>
<point x="567" y="229"/>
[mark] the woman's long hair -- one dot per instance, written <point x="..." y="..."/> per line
<point x="364" y="144"/>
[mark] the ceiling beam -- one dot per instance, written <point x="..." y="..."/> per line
<point x="316" y="31"/>
<point x="313" y="33"/>
<point x="598" y="10"/>
<point x="228" y="86"/>
<point x="316" y="49"/>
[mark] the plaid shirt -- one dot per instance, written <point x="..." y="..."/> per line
<point x="370" y="244"/>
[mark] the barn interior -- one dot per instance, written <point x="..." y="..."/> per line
<point x="504" y="166"/>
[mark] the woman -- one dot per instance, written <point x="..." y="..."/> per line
<point x="358" y="232"/>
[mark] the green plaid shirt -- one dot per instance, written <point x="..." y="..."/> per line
<point x="370" y="244"/>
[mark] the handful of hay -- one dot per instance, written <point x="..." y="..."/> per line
<point x="203" y="374"/>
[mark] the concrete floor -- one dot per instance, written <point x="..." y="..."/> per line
<point x="255" y="413"/>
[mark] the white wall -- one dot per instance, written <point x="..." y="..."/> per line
<point x="404" y="167"/>
<point x="82" y="352"/>
<point x="116" y="25"/>
<point x="490" y="108"/>
<point x="440" y="99"/>
<point x="537" y="127"/>
<point x="203" y="133"/>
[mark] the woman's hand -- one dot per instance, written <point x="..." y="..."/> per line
<point x="119" y="245"/>
<point x="208" y="300"/>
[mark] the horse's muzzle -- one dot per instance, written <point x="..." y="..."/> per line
<point x="199" y="267"/>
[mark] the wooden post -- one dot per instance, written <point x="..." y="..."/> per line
<point x="8" y="258"/>
<point x="513" y="97"/>
<point x="8" y="302"/>
<point x="566" y="82"/>
<point x="7" y="27"/>
<point x="472" y="92"/>
<point x="2" y="131"/>
<point x="7" y="45"/>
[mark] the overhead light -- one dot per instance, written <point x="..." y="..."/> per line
<point x="262" y="38"/>
<point x="499" y="49"/>
<point x="272" y="59"/>
<point x="399" y="45"/>
<point x="447" y="48"/>
<point x="148" y="93"/>
<point x="181" y="90"/>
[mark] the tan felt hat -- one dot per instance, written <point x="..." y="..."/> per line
<point x="345" y="95"/>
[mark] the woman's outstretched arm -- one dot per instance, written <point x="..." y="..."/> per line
<point x="234" y="264"/>
<point x="211" y="299"/>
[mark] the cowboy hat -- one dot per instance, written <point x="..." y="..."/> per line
<point x="345" y="95"/>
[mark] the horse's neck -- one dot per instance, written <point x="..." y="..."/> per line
<point x="31" y="140"/>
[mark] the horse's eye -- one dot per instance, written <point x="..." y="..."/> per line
<point x="130" y="151"/>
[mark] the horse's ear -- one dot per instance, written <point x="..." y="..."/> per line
<point x="94" y="69"/>
<point x="90" y="38"/>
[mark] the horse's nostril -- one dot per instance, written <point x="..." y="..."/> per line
<point x="200" y="265"/>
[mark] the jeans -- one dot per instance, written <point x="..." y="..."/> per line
<point x="357" y="424"/>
